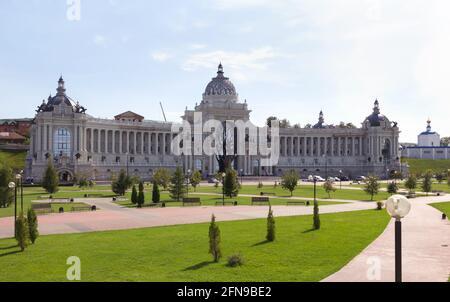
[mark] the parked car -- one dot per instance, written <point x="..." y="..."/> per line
<point x="344" y="178"/>
<point x="360" y="179"/>
<point x="212" y="180"/>
<point x="319" y="178"/>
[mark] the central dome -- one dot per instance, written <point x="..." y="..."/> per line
<point x="220" y="85"/>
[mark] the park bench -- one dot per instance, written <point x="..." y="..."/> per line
<point x="260" y="200"/>
<point x="42" y="207"/>
<point x="151" y="205"/>
<point x="297" y="202"/>
<point x="83" y="208"/>
<point x="267" y="193"/>
<point x="222" y="203"/>
<point x="191" y="201"/>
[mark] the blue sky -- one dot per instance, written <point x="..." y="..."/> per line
<point x="286" y="58"/>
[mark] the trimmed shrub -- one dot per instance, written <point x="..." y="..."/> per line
<point x="270" y="226"/>
<point x="22" y="233"/>
<point x="380" y="205"/>
<point x="316" y="217"/>
<point x="214" y="240"/>
<point x="235" y="260"/>
<point x="32" y="225"/>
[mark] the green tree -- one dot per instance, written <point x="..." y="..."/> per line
<point x="270" y="226"/>
<point x="141" y="195"/>
<point x="121" y="185"/>
<point x="328" y="186"/>
<point x="50" y="180"/>
<point x="155" y="193"/>
<point x="316" y="216"/>
<point x="195" y="179"/>
<point x="134" y="195"/>
<point x="32" y="225"/>
<point x="6" y="194"/>
<point x="440" y="176"/>
<point x="22" y="233"/>
<point x="269" y="120"/>
<point x="427" y="182"/>
<point x="214" y="240"/>
<point x="411" y="183"/>
<point x="177" y="187"/>
<point x="231" y="183"/>
<point x="392" y="188"/>
<point x="372" y="186"/>
<point x="162" y="177"/>
<point x="289" y="181"/>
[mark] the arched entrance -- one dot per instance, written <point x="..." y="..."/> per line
<point x="65" y="176"/>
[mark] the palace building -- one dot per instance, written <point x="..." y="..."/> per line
<point x="80" y="144"/>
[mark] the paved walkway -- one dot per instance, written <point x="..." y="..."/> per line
<point x="426" y="249"/>
<point x="114" y="217"/>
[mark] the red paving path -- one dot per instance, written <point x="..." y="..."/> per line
<point x="114" y="217"/>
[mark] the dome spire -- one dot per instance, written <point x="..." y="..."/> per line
<point x="61" y="89"/>
<point x="429" y="125"/>
<point x="220" y="69"/>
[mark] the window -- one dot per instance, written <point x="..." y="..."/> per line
<point x="62" y="142"/>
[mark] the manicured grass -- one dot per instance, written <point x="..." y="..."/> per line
<point x="180" y="253"/>
<point x="444" y="207"/>
<point x="31" y="194"/>
<point x="417" y="166"/>
<point x="15" y="160"/>
<point x="303" y="191"/>
<point x="210" y="200"/>
<point x="67" y="206"/>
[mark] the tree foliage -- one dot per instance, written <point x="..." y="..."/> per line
<point x="214" y="240"/>
<point x="50" y="180"/>
<point x="121" y="185"/>
<point x="372" y="186"/>
<point x="289" y="181"/>
<point x="156" y="197"/>
<point x="134" y="195"/>
<point x="392" y="188"/>
<point x="195" y="179"/>
<point x="427" y="182"/>
<point x="177" y="187"/>
<point x="32" y="225"/>
<point x="22" y="232"/>
<point x="411" y="183"/>
<point x="162" y="177"/>
<point x="141" y="195"/>
<point x="231" y="183"/>
<point x="6" y="194"/>
<point x="316" y="216"/>
<point x="270" y="226"/>
<point x="328" y="186"/>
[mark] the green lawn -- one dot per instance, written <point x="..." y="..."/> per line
<point x="302" y="191"/>
<point x="422" y="165"/>
<point x="36" y="193"/>
<point x="16" y="160"/>
<point x="210" y="200"/>
<point x="444" y="207"/>
<point x="180" y="253"/>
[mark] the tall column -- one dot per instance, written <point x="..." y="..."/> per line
<point x="156" y="143"/>
<point x="92" y="140"/>
<point x="163" y="151"/>
<point x="127" y="143"/>
<point x="142" y="143"/>
<point x="134" y="142"/>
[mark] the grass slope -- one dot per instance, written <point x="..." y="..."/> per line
<point x="444" y="207"/>
<point x="180" y="253"/>
<point x="417" y="166"/>
<point x="16" y="160"/>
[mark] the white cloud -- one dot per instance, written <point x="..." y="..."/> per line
<point x="99" y="40"/>
<point x="161" y="56"/>
<point x="240" y="64"/>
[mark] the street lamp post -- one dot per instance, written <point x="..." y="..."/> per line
<point x="242" y="174"/>
<point x="19" y="178"/>
<point x="12" y="185"/>
<point x="223" y="188"/>
<point x="398" y="207"/>
<point x="340" y="179"/>
<point x="187" y="182"/>
<point x="315" y="189"/>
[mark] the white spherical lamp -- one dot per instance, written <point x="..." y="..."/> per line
<point x="398" y="206"/>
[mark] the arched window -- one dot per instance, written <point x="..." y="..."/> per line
<point x="62" y="142"/>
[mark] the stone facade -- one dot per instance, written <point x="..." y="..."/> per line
<point x="80" y="144"/>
